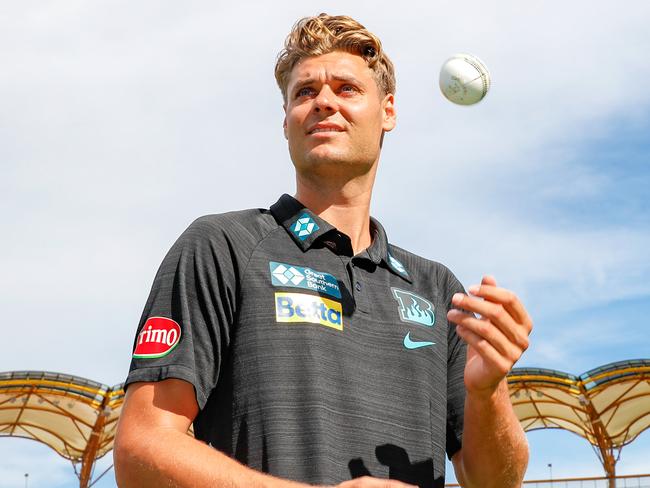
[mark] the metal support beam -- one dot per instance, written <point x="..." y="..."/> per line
<point x="88" y="458"/>
<point x="22" y="409"/>
<point x="605" y="447"/>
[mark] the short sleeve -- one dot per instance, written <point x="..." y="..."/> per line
<point x="456" y="355"/>
<point x="194" y="293"/>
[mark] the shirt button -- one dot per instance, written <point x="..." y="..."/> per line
<point x="357" y="286"/>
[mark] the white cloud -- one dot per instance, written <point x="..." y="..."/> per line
<point x="118" y="129"/>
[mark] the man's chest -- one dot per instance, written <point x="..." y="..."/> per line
<point x="317" y="318"/>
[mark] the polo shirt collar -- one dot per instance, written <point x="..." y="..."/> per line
<point x="379" y="251"/>
<point x="303" y="225"/>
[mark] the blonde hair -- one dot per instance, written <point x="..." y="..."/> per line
<point x="313" y="36"/>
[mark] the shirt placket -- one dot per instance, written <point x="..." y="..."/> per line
<point x="354" y="267"/>
<point x="359" y="284"/>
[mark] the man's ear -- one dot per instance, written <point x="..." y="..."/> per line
<point x="390" y="116"/>
<point x="284" y="122"/>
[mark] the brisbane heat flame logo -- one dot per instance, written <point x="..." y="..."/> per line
<point x="157" y="338"/>
<point x="414" y="308"/>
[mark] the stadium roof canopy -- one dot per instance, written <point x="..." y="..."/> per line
<point x="609" y="406"/>
<point x="74" y="416"/>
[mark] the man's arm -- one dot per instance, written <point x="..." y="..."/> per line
<point x="494" y="450"/>
<point x="152" y="448"/>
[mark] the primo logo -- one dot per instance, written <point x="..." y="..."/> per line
<point x="297" y="307"/>
<point x="414" y="308"/>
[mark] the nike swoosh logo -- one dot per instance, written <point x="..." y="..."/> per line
<point x="411" y="344"/>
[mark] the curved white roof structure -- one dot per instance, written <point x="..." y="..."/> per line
<point x="608" y="406"/>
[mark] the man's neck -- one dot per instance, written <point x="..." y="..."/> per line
<point x="345" y="206"/>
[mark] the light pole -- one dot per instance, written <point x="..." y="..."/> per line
<point x="26" y="478"/>
<point x="550" y="472"/>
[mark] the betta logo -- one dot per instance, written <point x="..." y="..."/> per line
<point x="157" y="338"/>
<point x="298" y="307"/>
<point x="414" y="308"/>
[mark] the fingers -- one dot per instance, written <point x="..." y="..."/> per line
<point x="501" y="333"/>
<point x="486" y="350"/>
<point x="369" y="482"/>
<point x="489" y="291"/>
<point x="497" y="315"/>
<point x="489" y="280"/>
<point x="486" y="330"/>
<point x="497" y="339"/>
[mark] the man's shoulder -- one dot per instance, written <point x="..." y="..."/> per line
<point x="252" y="218"/>
<point x="421" y="268"/>
<point x="415" y="260"/>
<point x="240" y="229"/>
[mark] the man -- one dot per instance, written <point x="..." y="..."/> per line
<point x="302" y="345"/>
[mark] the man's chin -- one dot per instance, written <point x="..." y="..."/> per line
<point x="334" y="166"/>
<point x="327" y="159"/>
<point x="323" y="156"/>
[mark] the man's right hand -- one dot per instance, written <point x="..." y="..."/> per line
<point x="369" y="482"/>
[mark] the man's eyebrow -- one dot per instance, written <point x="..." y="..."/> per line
<point x="348" y="78"/>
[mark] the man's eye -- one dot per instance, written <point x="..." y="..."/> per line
<point x="348" y="89"/>
<point x="304" y="92"/>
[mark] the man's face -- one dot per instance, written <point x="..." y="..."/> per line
<point x="335" y="114"/>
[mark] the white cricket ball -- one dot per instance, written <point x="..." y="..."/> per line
<point x="464" y="79"/>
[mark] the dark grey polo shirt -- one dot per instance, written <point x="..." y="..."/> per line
<point x="308" y="363"/>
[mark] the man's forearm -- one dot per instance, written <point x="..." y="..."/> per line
<point x="166" y="457"/>
<point x="495" y="449"/>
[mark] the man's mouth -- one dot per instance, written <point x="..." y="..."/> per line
<point x="325" y="129"/>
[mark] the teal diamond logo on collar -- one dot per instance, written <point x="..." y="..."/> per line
<point x="304" y="227"/>
<point x="397" y="266"/>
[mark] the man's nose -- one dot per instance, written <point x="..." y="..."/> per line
<point x="325" y="100"/>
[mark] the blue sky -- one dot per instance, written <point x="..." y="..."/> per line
<point x="122" y="122"/>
